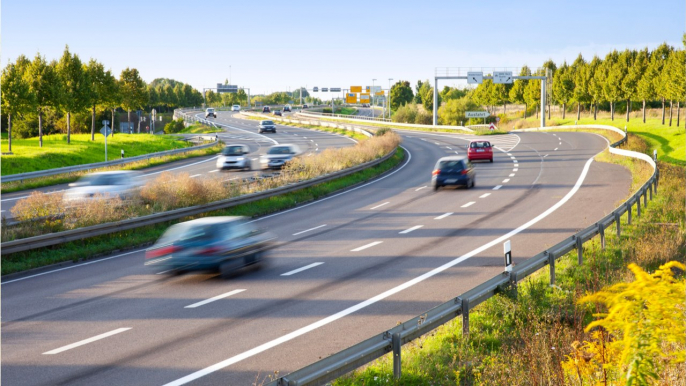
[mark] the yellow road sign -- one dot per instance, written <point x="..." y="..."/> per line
<point x="379" y="93"/>
<point x="355" y="88"/>
<point x="351" y="98"/>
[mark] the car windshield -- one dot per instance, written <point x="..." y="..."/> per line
<point x="189" y="232"/>
<point x="210" y="110"/>
<point x="450" y="165"/>
<point x="280" y="150"/>
<point x="102" y="179"/>
<point x="233" y="150"/>
<point x="267" y="122"/>
<point x="480" y="145"/>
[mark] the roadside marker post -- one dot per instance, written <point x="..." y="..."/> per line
<point x="508" y="256"/>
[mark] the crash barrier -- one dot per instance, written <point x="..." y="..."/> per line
<point x="338" y="364"/>
<point x="96" y="165"/>
<point x="35" y="242"/>
<point x="408" y="125"/>
<point x="364" y="131"/>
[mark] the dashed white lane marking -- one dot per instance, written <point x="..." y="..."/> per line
<point x="254" y="159"/>
<point x="456" y="153"/>
<point x="545" y="155"/>
<point x="312" y="140"/>
<point x="414" y="228"/>
<point x="307" y="230"/>
<point x="506" y="180"/>
<point x="515" y="169"/>
<point x="513" y="157"/>
<point x="213" y="299"/>
<point x="301" y="269"/>
<point x="468" y="204"/>
<point x="484" y="195"/>
<point x="556" y="149"/>
<point x="366" y="246"/>
<point x="511" y="175"/>
<point x="448" y="147"/>
<point x="437" y="143"/>
<point x="516" y="165"/>
<point x="510" y="154"/>
<point x="497" y="187"/>
<point x="443" y="216"/>
<point x="213" y="171"/>
<point x="379" y="206"/>
<point x="196" y="175"/>
<point x="86" y="341"/>
<point x="163" y="272"/>
<point x="423" y="187"/>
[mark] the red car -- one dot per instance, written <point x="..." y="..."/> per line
<point x="480" y="150"/>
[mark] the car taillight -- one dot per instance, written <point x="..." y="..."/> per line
<point x="436" y="172"/>
<point x="161" y="251"/>
<point x="465" y="171"/>
<point x="210" y="251"/>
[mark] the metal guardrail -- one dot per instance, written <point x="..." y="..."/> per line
<point x="408" y="125"/>
<point x="338" y="364"/>
<point x="364" y="131"/>
<point x="78" y="168"/>
<point x="35" y="242"/>
<point x="361" y="117"/>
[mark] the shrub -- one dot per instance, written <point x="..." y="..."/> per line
<point x="423" y="118"/>
<point x="382" y="131"/>
<point x="174" y="126"/>
<point x="406" y="114"/>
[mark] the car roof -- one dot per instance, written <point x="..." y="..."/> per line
<point x="214" y="220"/>
<point x="479" y="140"/>
<point x="452" y="158"/>
<point x="129" y="172"/>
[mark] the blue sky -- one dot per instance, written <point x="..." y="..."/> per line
<point x="274" y="46"/>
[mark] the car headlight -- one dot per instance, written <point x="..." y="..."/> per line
<point x="264" y="160"/>
<point x="240" y="159"/>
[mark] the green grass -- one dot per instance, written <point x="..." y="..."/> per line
<point x="198" y="128"/>
<point x="135" y="238"/>
<point x="521" y="339"/>
<point x="346" y="111"/>
<point x="28" y="157"/>
<point x="351" y="134"/>
<point x="15" y="186"/>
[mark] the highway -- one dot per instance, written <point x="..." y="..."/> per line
<point x="346" y="267"/>
<point x="236" y="131"/>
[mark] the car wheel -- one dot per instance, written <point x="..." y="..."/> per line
<point x="472" y="182"/>
<point x="247" y="167"/>
<point x="228" y="268"/>
<point x="491" y="160"/>
<point x="436" y="187"/>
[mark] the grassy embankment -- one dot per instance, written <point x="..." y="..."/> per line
<point x="198" y="128"/>
<point x="523" y="339"/>
<point x="333" y="130"/>
<point x="159" y="196"/>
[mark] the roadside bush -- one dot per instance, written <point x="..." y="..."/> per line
<point x="405" y="114"/>
<point x="326" y="110"/>
<point x="423" y="118"/>
<point x="174" y="126"/>
<point x="382" y="131"/>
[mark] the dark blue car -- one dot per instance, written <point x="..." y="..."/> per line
<point x="453" y="170"/>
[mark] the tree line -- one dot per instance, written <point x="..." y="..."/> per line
<point x="633" y="78"/>
<point x="41" y="92"/>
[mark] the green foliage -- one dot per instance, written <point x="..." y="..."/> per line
<point x="563" y="84"/>
<point x="406" y="113"/>
<point x="76" y="87"/>
<point x="175" y="126"/>
<point x="453" y="111"/>
<point x="401" y="94"/>
<point x="133" y="90"/>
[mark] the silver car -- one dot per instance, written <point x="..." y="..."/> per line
<point x="120" y="183"/>
<point x="278" y="155"/>
<point x="234" y="157"/>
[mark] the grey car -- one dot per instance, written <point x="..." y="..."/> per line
<point x="278" y="155"/>
<point x="225" y="243"/>
<point x="266" y="126"/>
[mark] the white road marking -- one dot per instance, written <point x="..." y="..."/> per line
<point x="196" y="175"/>
<point x="513" y="157"/>
<point x="448" y="147"/>
<point x="470" y="203"/>
<point x="456" y="152"/>
<point x="301" y="269"/>
<point x="510" y="154"/>
<point x="392" y="291"/>
<point x="163" y="272"/>
<point x="254" y="159"/>
<point x="506" y="180"/>
<point x="414" y="228"/>
<point x="307" y="230"/>
<point x="312" y="140"/>
<point x="484" y="195"/>
<point x="423" y="187"/>
<point x="379" y="206"/>
<point x="210" y="300"/>
<point x="443" y="216"/>
<point x="515" y="169"/>
<point x="556" y="149"/>
<point x="514" y="160"/>
<point x="511" y="175"/>
<point x="213" y="171"/>
<point x="86" y="341"/>
<point x="516" y="165"/>
<point x="437" y="143"/>
<point x="366" y="246"/>
<point x="545" y="155"/>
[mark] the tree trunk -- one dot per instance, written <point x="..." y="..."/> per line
<point x="671" y="108"/>
<point x="644" y="111"/>
<point x="536" y="111"/>
<point x="663" y="110"/>
<point x="612" y="110"/>
<point x="628" y="103"/>
<point x="505" y="109"/>
<point x="93" y="125"/>
<point x="525" y="107"/>
<point x="129" y="119"/>
<point x="40" y="127"/>
<point x="9" y="133"/>
<point x="595" y="111"/>
<point x="68" y="128"/>
<point x="578" y="110"/>
<point x="564" y="110"/>
<point x="549" y="111"/>
<point x="678" y="112"/>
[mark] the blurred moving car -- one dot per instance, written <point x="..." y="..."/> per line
<point x="278" y="155"/>
<point x="233" y="157"/>
<point x="120" y="183"/>
<point x="210" y="113"/>
<point x="225" y="243"/>
<point x="453" y="170"/>
<point x="277" y="112"/>
<point x="266" y="126"/>
<point x="236" y="108"/>
<point x="305" y="106"/>
<point x="480" y="150"/>
<point x="266" y="109"/>
<point x="287" y="108"/>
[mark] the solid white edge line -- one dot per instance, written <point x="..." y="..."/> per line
<point x="379" y="206"/>
<point x="418" y="189"/>
<point x="443" y="216"/>
<point x="196" y="175"/>
<point x="484" y="195"/>
<point x="414" y="228"/>
<point x="289" y="273"/>
<point x="470" y="203"/>
<point x="86" y="341"/>
<point x="556" y="149"/>
<point x="307" y="230"/>
<point x="366" y="246"/>
<point x="313" y="326"/>
<point x="215" y="298"/>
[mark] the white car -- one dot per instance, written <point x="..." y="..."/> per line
<point x="278" y="155"/>
<point x="236" y="108"/>
<point x="210" y="113"/>
<point x="234" y="157"/>
<point x="121" y="183"/>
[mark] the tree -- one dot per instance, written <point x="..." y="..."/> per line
<point x="595" y="84"/>
<point x="518" y="87"/>
<point x="614" y="70"/>
<point x="17" y="96"/>
<point x="75" y="86"/>
<point x="645" y="90"/>
<point x="563" y="86"/>
<point x="676" y="89"/>
<point x="111" y="97"/>
<point x="45" y="85"/>
<point x="658" y="59"/>
<point x="532" y="93"/>
<point x="96" y="75"/>
<point x="418" y="92"/>
<point x="134" y="94"/>
<point x="580" y="71"/>
<point x="401" y="94"/>
<point x="629" y="82"/>
<point x="499" y="94"/>
<point x="549" y="69"/>
<point x="483" y="94"/>
<point x="453" y="111"/>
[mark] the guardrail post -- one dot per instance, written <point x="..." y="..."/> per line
<point x="619" y="224"/>
<point x="628" y="212"/>
<point x="396" y="343"/>
<point x="638" y="206"/>
<point x="645" y="198"/>
<point x="551" y="263"/>
<point x="465" y="317"/>
<point x="579" y="250"/>
<point x="601" y="231"/>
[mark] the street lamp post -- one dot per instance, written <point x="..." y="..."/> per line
<point x="389" y="97"/>
<point x="373" y="97"/>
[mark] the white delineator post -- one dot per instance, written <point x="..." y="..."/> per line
<point x="508" y="256"/>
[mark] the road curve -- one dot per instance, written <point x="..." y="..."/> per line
<point x="113" y="321"/>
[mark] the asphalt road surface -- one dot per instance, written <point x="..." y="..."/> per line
<point x="348" y="266"/>
<point x="236" y="131"/>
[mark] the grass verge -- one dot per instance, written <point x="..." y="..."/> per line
<point x="345" y="132"/>
<point x="29" y="157"/>
<point x="111" y="243"/>
<point x="15" y="186"/>
<point x="198" y="128"/>
<point x="523" y="339"/>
